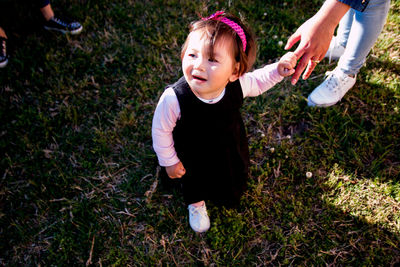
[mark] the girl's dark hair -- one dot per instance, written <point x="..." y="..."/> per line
<point x="216" y="30"/>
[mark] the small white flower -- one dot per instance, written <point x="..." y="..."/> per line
<point x="275" y="36"/>
<point x="265" y="13"/>
<point x="272" y="150"/>
<point x="280" y="43"/>
<point x="308" y="174"/>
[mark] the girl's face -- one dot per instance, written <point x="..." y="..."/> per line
<point x="207" y="77"/>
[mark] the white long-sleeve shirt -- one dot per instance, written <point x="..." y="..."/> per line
<point x="168" y="111"/>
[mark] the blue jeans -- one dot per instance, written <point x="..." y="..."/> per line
<point x="358" y="32"/>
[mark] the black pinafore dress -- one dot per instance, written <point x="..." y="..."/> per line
<point x="211" y="142"/>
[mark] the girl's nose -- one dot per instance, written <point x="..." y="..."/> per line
<point x="199" y="63"/>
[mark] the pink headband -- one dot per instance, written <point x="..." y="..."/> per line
<point x="230" y="23"/>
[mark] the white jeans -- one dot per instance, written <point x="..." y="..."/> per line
<point x="358" y="32"/>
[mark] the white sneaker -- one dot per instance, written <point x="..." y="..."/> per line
<point x="335" y="86"/>
<point x="335" y="50"/>
<point x="198" y="218"/>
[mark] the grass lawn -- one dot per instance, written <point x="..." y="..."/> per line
<point x="79" y="184"/>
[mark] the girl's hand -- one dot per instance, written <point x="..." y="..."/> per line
<point x="286" y="64"/>
<point x="175" y="171"/>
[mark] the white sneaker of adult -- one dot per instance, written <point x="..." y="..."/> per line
<point x="198" y="218"/>
<point x="331" y="91"/>
<point x="335" y="50"/>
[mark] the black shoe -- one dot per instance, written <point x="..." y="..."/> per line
<point x="63" y="25"/>
<point x="3" y="52"/>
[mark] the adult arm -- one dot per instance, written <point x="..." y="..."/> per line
<point x="315" y="36"/>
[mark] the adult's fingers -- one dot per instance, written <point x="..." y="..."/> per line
<point x="300" y="68"/>
<point x="311" y="66"/>
<point x="300" y="50"/>
<point x="294" y="38"/>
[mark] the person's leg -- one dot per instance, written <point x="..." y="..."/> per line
<point x="54" y="23"/>
<point x="47" y="12"/>
<point x="344" y="28"/>
<point x="42" y="3"/>
<point x="338" y="42"/>
<point x="3" y="48"/>
<point x="3" y="33"/>
<point x="193" y="189"/>
<point x="365" y="30"/>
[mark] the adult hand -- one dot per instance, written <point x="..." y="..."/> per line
<point x="314" y="37"/>
<point x="175" y="171"/>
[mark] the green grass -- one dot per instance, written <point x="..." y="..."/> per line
<point x="79" y="182"/>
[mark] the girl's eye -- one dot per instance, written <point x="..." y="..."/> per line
<point x="213" y="60"/>
<point x="191" y="55"/>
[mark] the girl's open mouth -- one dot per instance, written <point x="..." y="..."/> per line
<point x="199" y="78"/>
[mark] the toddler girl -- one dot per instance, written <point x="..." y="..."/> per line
<point x="198" y="133"/>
